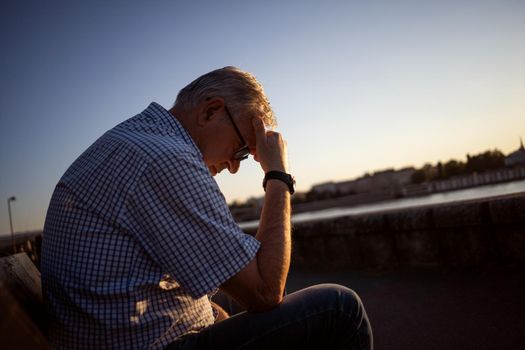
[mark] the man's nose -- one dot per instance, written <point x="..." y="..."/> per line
<point x="233" y="166"/>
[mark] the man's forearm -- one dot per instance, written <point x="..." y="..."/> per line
<point x="274" y="233"/>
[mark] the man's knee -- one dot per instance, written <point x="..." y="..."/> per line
<point x="344" y="319"/>
<point x="341" y="299"/>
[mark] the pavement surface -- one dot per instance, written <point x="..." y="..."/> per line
<point x="435" y="308"/>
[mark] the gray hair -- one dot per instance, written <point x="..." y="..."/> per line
<point x="243" y="94"/>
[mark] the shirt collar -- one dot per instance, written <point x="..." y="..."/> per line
<point x="171" y="123"/>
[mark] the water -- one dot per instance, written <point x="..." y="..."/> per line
<point x="479" y="192"/>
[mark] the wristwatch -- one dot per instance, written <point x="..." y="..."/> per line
<point x="280" y="175"/>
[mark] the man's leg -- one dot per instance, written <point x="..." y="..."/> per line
<point x="326" y="316"/>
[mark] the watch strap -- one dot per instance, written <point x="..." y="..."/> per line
<point x="282" y="176"/>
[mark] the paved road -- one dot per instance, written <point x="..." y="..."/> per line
<point x="436" y="308"/>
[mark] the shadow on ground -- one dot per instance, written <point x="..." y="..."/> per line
<point x="435" y="308"/>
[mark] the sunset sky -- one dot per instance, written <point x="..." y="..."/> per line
<point x="357" y="86"/>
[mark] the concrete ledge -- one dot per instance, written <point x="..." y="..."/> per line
<point x="508" y="210"/>
<point x="473" y="233"/>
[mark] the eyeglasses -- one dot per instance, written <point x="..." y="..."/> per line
<point x="243" y="152"/>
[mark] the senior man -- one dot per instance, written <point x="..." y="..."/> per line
<point x="138" y="236"/>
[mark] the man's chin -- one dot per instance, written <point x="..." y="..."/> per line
<point x="213" y="170"/>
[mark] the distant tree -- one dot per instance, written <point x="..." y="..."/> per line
<point x="235" y="204"/>
<point x="485" y="161"/>
<point x="477" y="163"/>
<point x="418" y="176"/>
<point x="440" y="171"/>
<point x="453" y="168"/>
<point x="425" y="173"/>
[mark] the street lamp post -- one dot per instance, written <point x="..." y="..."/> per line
<point x="9" y="200"/>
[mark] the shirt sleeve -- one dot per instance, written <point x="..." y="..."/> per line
<point x="186" y="226"/>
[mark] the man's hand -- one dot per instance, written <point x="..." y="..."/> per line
<point x="222" y="313"/>
<point x="271" y="148"/>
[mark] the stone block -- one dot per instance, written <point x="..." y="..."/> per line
<point x="342" y="225"/>
<point x="306" y="229"/>
<point x="459" y="215"/>
<point x="366" y="223"/>
<point x="409" y="219"/>
<point x="507" y="210"/>
<point x="377" y="249"/>
<point x="416" y="247"/>
<point x="511" y="243"/>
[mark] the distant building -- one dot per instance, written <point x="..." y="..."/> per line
<point x="327" y="187"/>
<point x="516" y="158"/>
<point x="389" y="179"/>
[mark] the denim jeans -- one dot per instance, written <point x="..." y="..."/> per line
<point x="325" y="316"/>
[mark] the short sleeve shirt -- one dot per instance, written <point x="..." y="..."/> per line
<point x="137" y="236"/>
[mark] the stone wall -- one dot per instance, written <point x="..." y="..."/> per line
<point x="474" y="233"/>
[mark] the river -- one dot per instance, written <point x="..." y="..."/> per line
<point x="479" y="192"/>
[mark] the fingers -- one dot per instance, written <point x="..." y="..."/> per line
<point x="275" y="139"/>
<point x="270" y="148"/>
<point x="260" y="130"/>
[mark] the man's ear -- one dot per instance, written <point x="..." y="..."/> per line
<point x="209" y="109"/>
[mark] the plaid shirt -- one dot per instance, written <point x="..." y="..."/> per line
<point x="137" y="237"/>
